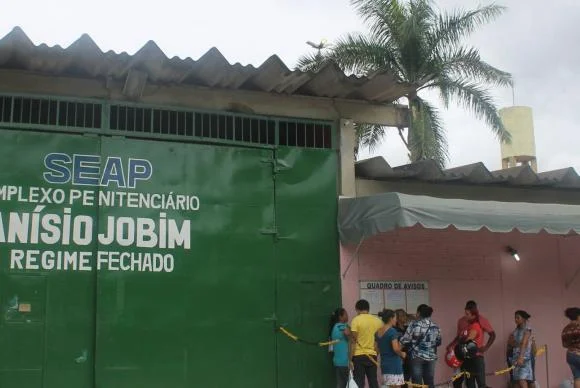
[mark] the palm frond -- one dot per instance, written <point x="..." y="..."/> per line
<point x="416" y="30"/>
<point x="369" y="136"/>
<point x="466" y="63"/>
<point x="312" y="62"/>
<point x="444" y="93"/>
<point x="478" y="100"/>
<point x="427" y="139"/>
<point x="452" y="27"/>
<point x="362" y="55"/>
<point x="420" y="18"/>
<point x="384" y="18"/>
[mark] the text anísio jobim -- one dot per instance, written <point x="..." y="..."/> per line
<point x="30" y="232"/>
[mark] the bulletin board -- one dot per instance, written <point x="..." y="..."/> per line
<point x="398" y="294"/>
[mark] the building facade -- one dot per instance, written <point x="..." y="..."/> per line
<point x="449" y="241"/>
<point x="161" y="218"/>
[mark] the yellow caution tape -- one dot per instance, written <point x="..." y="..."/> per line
<point x="373" y="360"/>
<point x="504" y="371"/>
<point x="410" y="384"/>
<point x="459" y="375"/>
<point x="328" y="343"/>
<point x="288" y="334"/>
<point x="297" y="339"/>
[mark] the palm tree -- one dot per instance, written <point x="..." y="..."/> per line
<point x="422" y="47"/>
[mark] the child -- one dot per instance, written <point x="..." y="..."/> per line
<point x="339" y="332"/>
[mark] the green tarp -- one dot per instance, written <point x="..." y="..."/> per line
<point x="363" y="217"/>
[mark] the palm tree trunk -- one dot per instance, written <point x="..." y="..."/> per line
<point x="414" y="117"/>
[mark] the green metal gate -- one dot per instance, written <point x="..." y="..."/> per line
<point x="47" y="325"/>
<point x="154" y="293"/>
<point x="307" y="262"/>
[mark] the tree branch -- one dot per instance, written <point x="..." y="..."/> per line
<point x="402" y="136"/>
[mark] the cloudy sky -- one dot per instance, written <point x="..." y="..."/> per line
<point x="535" y="40"/>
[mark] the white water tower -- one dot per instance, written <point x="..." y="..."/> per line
<point x="518" y="120"/>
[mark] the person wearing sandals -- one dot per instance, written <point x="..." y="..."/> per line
<point x="422" y="338"/>
<point x="392" y="356"/>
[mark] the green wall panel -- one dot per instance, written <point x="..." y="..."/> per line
<point x="205" y="321"/>
<point x="51" y="344"/>
<point x="307" y="262"/>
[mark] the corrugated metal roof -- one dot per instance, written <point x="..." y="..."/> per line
<point x="85" y="59"/>
<point x="377" y="168"/>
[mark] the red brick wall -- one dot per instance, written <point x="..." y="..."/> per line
<point x="475" y="265"/>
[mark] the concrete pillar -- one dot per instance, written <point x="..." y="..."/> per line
<point x="347" y="142"/>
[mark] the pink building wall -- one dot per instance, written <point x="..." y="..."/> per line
<point x="460" y="266"/>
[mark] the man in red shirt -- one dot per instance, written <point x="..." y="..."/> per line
<point x="462" y="325"/>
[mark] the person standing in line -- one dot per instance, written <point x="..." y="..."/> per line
<point x="521" y="354"/>
<point x="422" y="338"/>
<point x="509" y="354"/>
<point x="462" y="325"/>
<point x="339" y="332"/>
<point x="392" y="356"/>
<point x="472" y="340"/>
<point x="401" y="327"/>
<point x="509" y="351"/>
<point x="571" y="341"/>
<point x="363" y="347"/>
<point x="401" y="323"/>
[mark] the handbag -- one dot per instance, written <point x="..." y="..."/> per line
<point x="351" y="383"/>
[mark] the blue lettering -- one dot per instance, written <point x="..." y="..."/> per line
<point x="58" y="172"/>
<point x="139" y="170"/>
<point x="86" y="170"/>
<point x="113" y="172"/>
